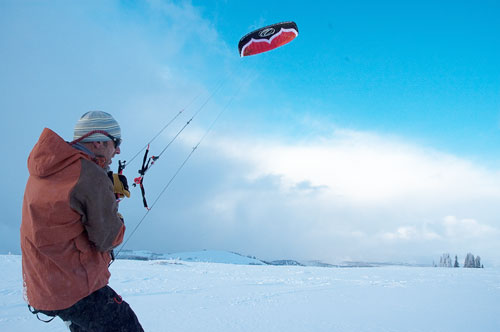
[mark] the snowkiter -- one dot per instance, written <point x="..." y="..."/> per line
<point x="70" y="224"/>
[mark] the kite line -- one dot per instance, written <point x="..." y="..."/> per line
<point x="258" y="41"/>
<point x="180" y="168"/>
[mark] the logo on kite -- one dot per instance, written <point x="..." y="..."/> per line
<point x="267" y="38"/>
<point x="267" y="32"/>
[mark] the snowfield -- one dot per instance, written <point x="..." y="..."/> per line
<point x="175" y="295"/>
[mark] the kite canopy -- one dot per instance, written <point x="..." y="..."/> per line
<point x="267" y="38"/>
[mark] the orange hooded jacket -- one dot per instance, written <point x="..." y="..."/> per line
<point x="69" y="225"/>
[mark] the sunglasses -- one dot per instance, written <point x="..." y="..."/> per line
<point x="116" y="141"/>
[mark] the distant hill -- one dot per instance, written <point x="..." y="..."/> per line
<point x="288" y="262"/>
<point x="226" y="257"/>
<point x="207" y="256"/>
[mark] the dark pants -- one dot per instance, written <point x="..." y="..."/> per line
<point x="101" y="311"/>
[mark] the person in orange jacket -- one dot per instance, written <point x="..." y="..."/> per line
<point x="70" y="224"/>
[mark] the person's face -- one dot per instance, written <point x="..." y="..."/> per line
<point x="106" y="150"/>
<point x="110" y="151"/>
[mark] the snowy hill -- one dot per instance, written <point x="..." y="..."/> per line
<point x="184" y="296"/>
<point x="226" y="257"/>
<point x="207" y="256"/>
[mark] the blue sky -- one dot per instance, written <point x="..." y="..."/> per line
<point x="374" y="135"/>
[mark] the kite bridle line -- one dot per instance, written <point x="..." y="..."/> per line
<point x="179" y="169"/>
<point x="147" y="163"/>
<point x="125" y="163"/>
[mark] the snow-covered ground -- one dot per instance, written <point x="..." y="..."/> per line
<point x="195" y="296"/>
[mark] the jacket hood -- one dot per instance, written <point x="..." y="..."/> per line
<point x="51" y="154"/>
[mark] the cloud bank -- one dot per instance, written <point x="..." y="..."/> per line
<point x="352" y="195"/>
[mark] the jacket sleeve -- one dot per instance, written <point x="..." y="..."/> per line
<point x="93" y="198"/>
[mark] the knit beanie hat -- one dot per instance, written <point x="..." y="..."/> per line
<point x="96" y="120"/>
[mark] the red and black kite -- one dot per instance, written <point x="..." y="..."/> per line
<point x="267" y="38"/>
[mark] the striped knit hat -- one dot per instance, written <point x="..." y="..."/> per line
<point x="96" y="120"/>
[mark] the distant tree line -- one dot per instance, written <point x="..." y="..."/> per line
<point x="470" y="261"/>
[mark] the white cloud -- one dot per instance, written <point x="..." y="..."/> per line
<point x="366" y="168"/>
<point x="355" y="194"/>
<point x="410" y="233"/>
<point x="467" y="228"/>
